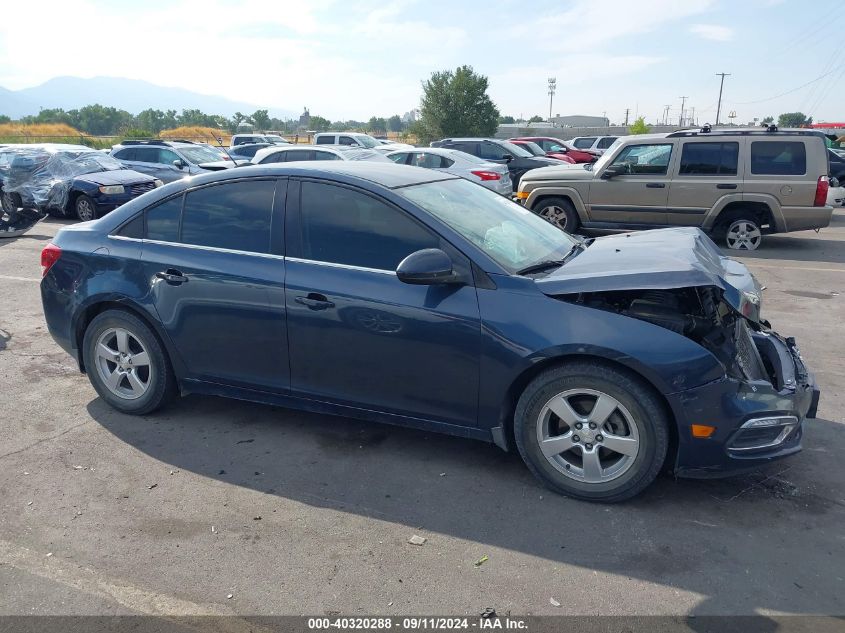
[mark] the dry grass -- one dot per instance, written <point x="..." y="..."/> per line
<point x="206" y="134"/>
<point x="39" y="133"/>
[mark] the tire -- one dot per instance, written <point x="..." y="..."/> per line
<point x="11" y="202"/>
<point x="558" y="211"/>
<point x="85" y="208"/>
<point x="154" y="383"/>
<point x="631" y="420"/>
<point x="743" y="234"/>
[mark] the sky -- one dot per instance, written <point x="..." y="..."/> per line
<point x="353" y="60"/>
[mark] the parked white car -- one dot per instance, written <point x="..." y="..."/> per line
<point x="291" y="153"/>
<point x="494" y="176"/>
<point x="593" y="143"/>
<point x="356" y="139"/>
<point x="245" y="139"/>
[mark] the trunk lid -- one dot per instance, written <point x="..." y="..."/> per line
<point x="658" y="259"/>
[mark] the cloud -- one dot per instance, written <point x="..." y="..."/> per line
<point x="712" y="32"/>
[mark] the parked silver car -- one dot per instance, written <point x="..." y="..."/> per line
<point x="494" y="176"/>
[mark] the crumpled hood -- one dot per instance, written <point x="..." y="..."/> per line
<point x="658" y="259"/>
<point x="115" y="177"/>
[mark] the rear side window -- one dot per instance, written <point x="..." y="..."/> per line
<point x="146" y="154"/>
<point x="468" y="147"/>
<point x="348" y="227"/>
<point x="163" y="220"/>
<point x="606" y="142"/>
<point x="125" y="154"/>
<point x="778" y="158"/>
<point x="491" y="151"/>
<point x="429" y="161"/>
<point x="709" y="159"/>
<point x="278" y="157"/>
<point x="400" y="158"/>
<point x="584" y="143"/>
<point x="297" y="154"/>
<point x="325" y="140"/>
<point x="134" y="228"/>
<point x="321" y="155"/>
<point x="232" y="215"/>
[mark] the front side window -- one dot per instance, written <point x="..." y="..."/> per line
<point x="321" y="155"/>
<point x="163" y="220"/>
<point x="347" y="140"/>
<point x="343" y="226"/>
<point x="606" y="142"/>
<point x="125" y="154"/>
<point x="200" y="154"/>
<point x="491" y="151"/>
<point x="709" y="159"/>
<point x="166" y="157"/>
<point x="400" y="158"/>
<point x="233" y="215"/>
<point x="584" y="143"/>
<point x="146" y="154"/>
<point x="649" y="160"/>
<point x="778" y="158"/>
<point x="325" y="140"/>
<point x="507" y="232"/>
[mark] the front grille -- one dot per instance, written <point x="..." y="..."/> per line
<point x="141" y="187"/>
<point x="747" y="355"/>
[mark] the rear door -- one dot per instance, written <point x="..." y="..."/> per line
<point x="707" y="173"/>
<point x="217" y="275"/>
<point x="638" y="194"/>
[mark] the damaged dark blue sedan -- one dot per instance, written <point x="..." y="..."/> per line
<point x="405" y="296"/>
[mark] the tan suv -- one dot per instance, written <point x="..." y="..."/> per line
<point x="738" y="184"/>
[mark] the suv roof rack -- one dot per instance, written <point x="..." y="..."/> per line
<point x="156" y="141"/>
<point x="765" y="131"/>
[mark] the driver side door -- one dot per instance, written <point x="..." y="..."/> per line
<point x="637" y="196"/>
<point x="357" y="335"/>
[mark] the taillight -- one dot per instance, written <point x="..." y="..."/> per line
<point x="487" y="175"/>
<point x="822" y="187"/>
<point x="49" y="256"/>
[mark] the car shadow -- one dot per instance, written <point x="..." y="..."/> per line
<point x="681" y="533"/>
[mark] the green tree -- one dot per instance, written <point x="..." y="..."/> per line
<point x="5" y="119"/>
<point x="768" y="119"/>
<point x="535" y="119"/>
<point x="394" y="123"/>
<point x="456" y="103"/>
<point x="237" y="119"/>
<point x="377" y="125"/>
<point x="320" y="124"/>
<point x="639" y="127"/>
<point x="101" y="120"/>
<point x="150" y="119"/>
<point x="261" y="120"/>
<point x="794" y="119"/>
<point x="506" y="120"/>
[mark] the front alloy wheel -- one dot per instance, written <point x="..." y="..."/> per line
<point x="743" y="235"/>
<point x="85" y="208"/>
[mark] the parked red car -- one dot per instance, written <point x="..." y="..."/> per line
<point x="556" y="148"/>
<point x="536" y="150"/>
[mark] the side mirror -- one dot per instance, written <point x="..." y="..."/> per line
<point x="426" y="267"/>
<point x="179" y="163"/>
<point x="507" y="158"/>
<point x="610" y="172"/>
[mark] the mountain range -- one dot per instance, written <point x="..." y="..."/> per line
<point x="133" y="95"/>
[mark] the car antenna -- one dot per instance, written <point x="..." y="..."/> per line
<point x="220" y="145"/>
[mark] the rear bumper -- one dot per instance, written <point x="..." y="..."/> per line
<point x="806" y="218"/>
<point x="757" y="422"/>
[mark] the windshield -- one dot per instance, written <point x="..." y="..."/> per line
<point x="367" y="141"/>
<point x="201" y="154"/>
<point x="515" y="149"/>
<point x="532" y="148"/>
<point x="510" y="234"/>
<point x="91" y="162"/>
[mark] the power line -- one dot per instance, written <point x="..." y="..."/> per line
<point x="783" y="94"/>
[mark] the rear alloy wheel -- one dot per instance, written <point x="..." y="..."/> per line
<point x="558" y="211"/>
<point x="743" y="235"/>
<point x="126" y="363"/>
<point x="592" y="432"/>
<point x="85" y="209"/>
<point x="8" y="202"/>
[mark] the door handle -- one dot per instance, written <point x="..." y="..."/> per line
<point x="656" y="185"/>
<point x="724" y="185"/>
<point x="172" y="276"/>
<point x="315" y="301"/>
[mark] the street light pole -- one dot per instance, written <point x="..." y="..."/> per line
<point x="721" y="85"/>
<point x="552" y="86"/>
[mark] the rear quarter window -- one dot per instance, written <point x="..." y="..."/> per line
<point x="325" y="140"/>
<point x="778" y="158"/>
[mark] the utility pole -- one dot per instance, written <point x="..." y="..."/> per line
<point x="692" y="116"/>
<point x="681" y="117"/>
<point x="721" y="85"/>
<point x="627" y="110"/>
<point x="552" y="86"/>
<point x="666" y="114"/>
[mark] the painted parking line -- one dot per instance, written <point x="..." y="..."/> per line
<point x="13" y="278"/>
<point x="812" y="269"/>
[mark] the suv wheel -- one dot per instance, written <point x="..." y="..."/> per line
<point x="558" y="211"/>
<point x="743" y="234"/>
<point x="126" y="363"/>
<point x="591" y="432"/>
<point x="85" y="209"/>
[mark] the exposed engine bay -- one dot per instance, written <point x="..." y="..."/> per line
<point x="700" y="314"/>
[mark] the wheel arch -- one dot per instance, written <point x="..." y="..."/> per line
<point x="96" y="307"/>
<point x="763" y="210"/>
<point x="504" y="434"/>
<point x="567" y="193"/>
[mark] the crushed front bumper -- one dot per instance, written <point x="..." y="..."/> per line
<point x="756" y="421"/>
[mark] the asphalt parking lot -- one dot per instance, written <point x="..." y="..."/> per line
<point x="294" y="513"/>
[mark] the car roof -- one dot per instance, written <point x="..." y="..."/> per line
<point x="473" y="138"/>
